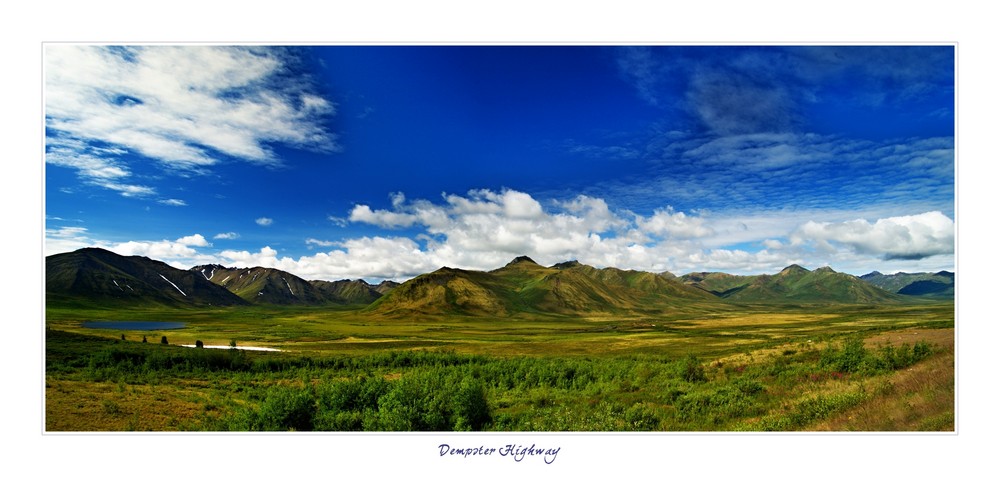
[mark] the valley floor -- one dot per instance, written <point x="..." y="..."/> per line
<point x="793" y="370"/>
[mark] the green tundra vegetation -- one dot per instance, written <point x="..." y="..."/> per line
<point x="702" y="367"/>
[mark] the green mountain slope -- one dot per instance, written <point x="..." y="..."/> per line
<point x="795" y="284"/>
<point x="718" y="283"/>
<point x="262" y="285"/>
<point x="102" y="277"/>
<point x="926" y="285"/>
<point x="523" y="286"/>
<point x="349" y="292"/>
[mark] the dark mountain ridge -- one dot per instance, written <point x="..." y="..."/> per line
<point x="521" y="286"/>
<point x="926" y="285"/>
<point x="263" y="285"/>
<point x="98" y="275"/>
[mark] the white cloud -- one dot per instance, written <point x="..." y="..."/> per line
<point x="185" y="107"/>
<point x="483" y="230"/>
<point x="667" y="223"/>
<point x="66" y="232"/>
<point x="907" y="237"/>
<point x="173" y="202"/>
<point x="264" y="221"/>
<point x="773" y="244"/>
<point x="320" y="243"/>
<point x="226" y="236"/>
<point x="381" y="218"/>
<point x="68" y="239"/>
<point x="126" y="190"/>
<point x="179" y="253"/>
<point x="739" y="261"/>
<point x="196" y="240"/>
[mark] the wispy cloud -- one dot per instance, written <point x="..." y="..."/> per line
<point x="730" y="103"/>
<point x="186" y="108"/>
<point x="767" y="89"/>
<point x="789" y="171"/>
<point x="264" y="221"/>
<point x="68" y="239"/>
<point x="642" y="70"/>
<point x="173" y="202"/>
<point x="226" y="236"/>
<point x="321" y="243"/>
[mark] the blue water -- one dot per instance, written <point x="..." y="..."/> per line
<point x="135" y="325"/>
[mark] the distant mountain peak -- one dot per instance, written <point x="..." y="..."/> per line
<point x="565" y="265"/>
<point x="825" y="269"/>
<point x="522" y="259"/>
<point x="793" y="269"/>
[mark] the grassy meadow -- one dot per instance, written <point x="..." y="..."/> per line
<point x="715" y="368"/>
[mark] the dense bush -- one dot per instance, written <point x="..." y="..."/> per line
<point x="690" y="369"/>
<point x="283" y="409"/>
<point x="444" y="391"/>
<point x="345" y="405"/>
<point x="433" y="400"/>
<point x="737" y="399"/>
<point x="853" y="357"/>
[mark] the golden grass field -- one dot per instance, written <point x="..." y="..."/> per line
<point x="775" y="343"/>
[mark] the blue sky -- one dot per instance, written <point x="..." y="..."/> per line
<point x="389" y="161"/>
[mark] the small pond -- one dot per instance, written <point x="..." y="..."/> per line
<point x="134" y="325"/>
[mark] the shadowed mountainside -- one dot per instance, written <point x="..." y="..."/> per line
<point x="99" y="276"/>
<point x="926" y="285"/>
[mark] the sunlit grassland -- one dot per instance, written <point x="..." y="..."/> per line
<point x="751" y="368"/>
<point x="708" y="334"/>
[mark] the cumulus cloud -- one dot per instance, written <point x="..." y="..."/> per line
<point x="910" y="237"/>
<point x="738" y="260"/>
<point x="180" y="253"/>
<point x="508" y="222"/>
<point x="264" y="221"/>
<point x="483" y="230"/>
<point x="226" y="236"/>
<point x="381" y="218"/>
<point x="184" y="107"/>
<point x="667" y="223"/>
<point x="196" y="240"/>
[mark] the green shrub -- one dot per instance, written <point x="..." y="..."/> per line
<point x="855" y="358"/>
<point x="641" y="417"/>
<point x="285" y="409"/>
<point x="691" y="370"/>
<point x="470" y="409"/>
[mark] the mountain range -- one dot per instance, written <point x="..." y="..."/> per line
<point x="793" y="284"/>
<point x="930" y="285"/>
<point x="101" y="277"/>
